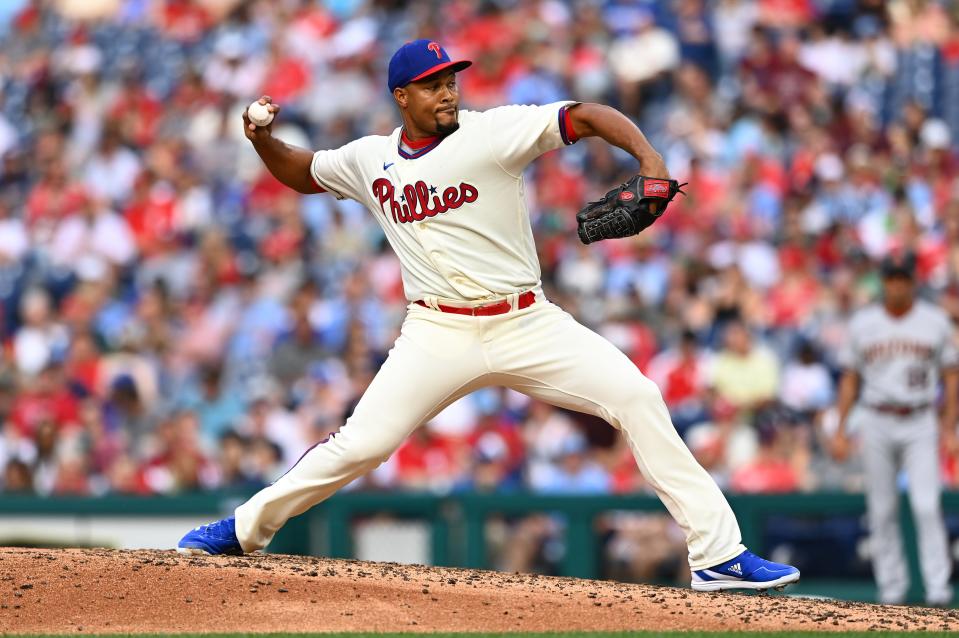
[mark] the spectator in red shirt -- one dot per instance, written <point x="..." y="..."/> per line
<point x="680" y="372"/>
<point x="428" y="461"/>
<point x="180" y="463"/>
<point x="45" y="399"/>
<point x="52" y="198"/>
<point x="559" y="186"/>
<point x="184" y="20"/>
<point x="772" y="471"/>
<point x="125" y="477"/>
<point x="137" y="112"/>
<point x="289" y="76"/>
<point x="151" y="214"/>
<point x="792" y="300"/>
<point x="492" y="432"/>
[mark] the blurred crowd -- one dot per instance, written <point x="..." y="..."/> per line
<point x="173" y="319"/>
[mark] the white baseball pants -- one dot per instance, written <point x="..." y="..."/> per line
<point x="891" y="443"/>
<point x="540" y="351"/>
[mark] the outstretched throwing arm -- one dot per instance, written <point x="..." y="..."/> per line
<point x="288" y="164"/>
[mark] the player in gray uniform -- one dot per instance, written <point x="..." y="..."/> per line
<point x="897" y="353"/>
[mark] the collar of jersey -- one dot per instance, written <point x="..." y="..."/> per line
<point x="417" y="148"/>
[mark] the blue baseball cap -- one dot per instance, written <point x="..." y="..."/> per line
<point x="417" y="59"/>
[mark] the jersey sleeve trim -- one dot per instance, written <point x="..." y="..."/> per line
<point x="319" y="187"/>
<point x="566" y="130"/>
<point x="319" y="183"/>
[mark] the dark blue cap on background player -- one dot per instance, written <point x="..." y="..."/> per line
<point x="899" y="265"/>
<point x="417" y="59"/>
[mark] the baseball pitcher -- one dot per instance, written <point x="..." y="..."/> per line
<point x="447" y="188"/>
<point x="895" y="357"/>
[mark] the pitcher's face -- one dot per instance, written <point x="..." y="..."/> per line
<point x="432" y="103"/>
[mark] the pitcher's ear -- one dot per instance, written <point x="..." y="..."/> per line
<point x="401" y="96"/>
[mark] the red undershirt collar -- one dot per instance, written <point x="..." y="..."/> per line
<point x="417" y="144"/>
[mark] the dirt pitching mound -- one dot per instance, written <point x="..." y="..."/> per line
<point x="107" y="591"/>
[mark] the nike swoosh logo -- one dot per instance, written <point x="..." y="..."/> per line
<point x="386" y="166"/>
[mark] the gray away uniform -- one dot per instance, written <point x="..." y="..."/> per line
<point x="899" y="361"/>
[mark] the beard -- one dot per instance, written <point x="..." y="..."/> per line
<point x="451" y="126"/>
<point x="445" y="129"/>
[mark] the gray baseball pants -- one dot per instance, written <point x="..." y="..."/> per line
<point x="891" y="443"/>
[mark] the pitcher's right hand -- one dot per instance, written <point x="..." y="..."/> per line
<point x="256" y="133"/>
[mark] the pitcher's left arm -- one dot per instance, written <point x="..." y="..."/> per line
<point x="605" y="122"/>
<point x="632" y="207"/>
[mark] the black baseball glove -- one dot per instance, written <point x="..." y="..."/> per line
<point x="626" y="210"/>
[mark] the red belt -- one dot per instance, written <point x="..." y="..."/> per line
<point x="900" y="410"/>
<point x="525" y="300"/>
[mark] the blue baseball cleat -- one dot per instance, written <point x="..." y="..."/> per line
<point x="215" y="538"/>
<point x="746" y="571"/>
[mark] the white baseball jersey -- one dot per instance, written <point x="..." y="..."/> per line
<point x="456" y="214"/>
<point x="899" y="360"/>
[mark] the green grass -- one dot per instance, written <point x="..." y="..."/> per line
<point x="564" y="634"/>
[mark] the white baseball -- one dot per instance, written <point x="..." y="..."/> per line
<point x="259" y="114"/>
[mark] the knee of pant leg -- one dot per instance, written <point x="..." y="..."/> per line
<point x="631" y="399"/>
<point x="643" y="393"/>
<point x="649" y="391"/>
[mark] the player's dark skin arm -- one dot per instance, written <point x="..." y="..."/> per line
<point x="605" y="122"/>
<point x="848" y="393"/>
<point x="289" y="164"/>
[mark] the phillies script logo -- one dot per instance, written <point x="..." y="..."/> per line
<point x="435" y="48"/>
<point x="656" y="188"/>
<point x="419" y="201"/>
